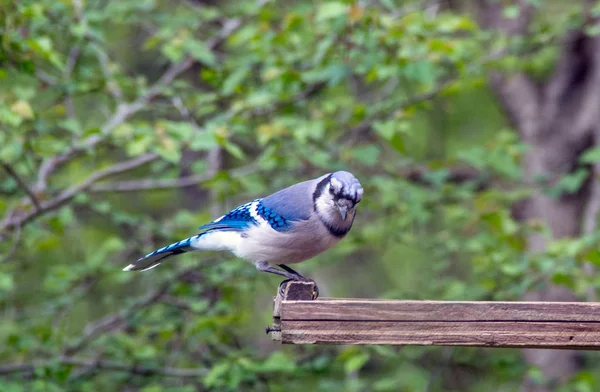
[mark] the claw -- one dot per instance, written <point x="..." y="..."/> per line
<point x="316" y="288"/>
<point x="284" y="284"/>
<point x="282" y="287"/>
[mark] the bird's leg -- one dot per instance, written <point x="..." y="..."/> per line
<point x="291" y="271"/>
<point x="266" y="267"/>
<point x="287" y="272"/>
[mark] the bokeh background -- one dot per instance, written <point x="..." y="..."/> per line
<point x="125" y="124"/>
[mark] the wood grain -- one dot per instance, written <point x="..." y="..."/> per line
<point x="572" y="325"/>
<point x="440" y="333"/>
<point x="389" y="310"/>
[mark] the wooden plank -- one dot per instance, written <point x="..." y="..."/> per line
<point x="485" y="334"/>
<point x="572" y="325"/>
<point x="390" y="310"/>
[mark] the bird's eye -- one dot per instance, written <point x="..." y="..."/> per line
<point x="331" y="190"/>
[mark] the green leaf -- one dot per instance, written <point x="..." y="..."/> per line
<point x="560" y="278"/>
<point x="216" y="373"/>
<point x="173" y="50"/>
<point x="11" y="151"/>
<point x="355" y="362"/>
<point x="140" y="144"/>
<point x="278" y="362"/>
<point x="511" y="11"/>
<point x="180" y="130"/>
<point x="23" y="109"/>
<point x="201" y="52"/>
<point x="591" y="155"/>
<point x="234" y="79"/>
<point x="571" y="183"/>
<point x="204" y="141"/>
<point x="6" y="283"/>
<point x="234" y="150"/>
<point x="331" y="10"/>
<point x="369" y="154"/>
<point x="592" y="30"/>
<point x="593" y="256"/>
<point x="145" y="352"/>
<point x="332" y="74"/>
<point x="169" y="152"/>
<point x="397" y="143"/>
<point x="199" y="306"/>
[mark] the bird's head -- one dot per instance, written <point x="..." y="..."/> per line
<point x="336" y="198"/>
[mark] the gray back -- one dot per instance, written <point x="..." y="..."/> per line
<point x="294" y="202"/>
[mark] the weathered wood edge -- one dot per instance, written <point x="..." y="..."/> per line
<point x="298" y="319"/>
<point x="449" y="311"/>
<point x="292" y="291"/>
<point x="482" y="334"/>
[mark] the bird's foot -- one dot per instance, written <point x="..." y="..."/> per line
<point x="283" y="285"/>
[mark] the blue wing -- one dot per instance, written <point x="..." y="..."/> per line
<point x="289" y="205"/>
<point x="280" y="212"/>
<point x="237" y="219"/>
<point x="277" y="221"/>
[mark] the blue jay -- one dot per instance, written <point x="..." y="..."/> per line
<point x="289" y="226"/>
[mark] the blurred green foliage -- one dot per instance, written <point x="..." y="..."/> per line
<point x="240" y="99"/>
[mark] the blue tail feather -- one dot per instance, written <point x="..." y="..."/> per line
<point x="153" y="259"/>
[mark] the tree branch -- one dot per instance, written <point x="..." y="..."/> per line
<point x="46" y="78"/>
<point x="121" y="114"/>
<point x="590" y="214"/>
<point x="572" y="87"/>
<point x="493" y="17"/>
<point x="29" y="368"/>
<point x="310" y="91"/>
<point x="112" y="86"/>
<point x="167" y="183"/>
<point x="456" y="175"/>
<point x="518" y="92"/>
<point x="125" y="110"/>
<point x="15" y="220"/>
<point x="367" y="124"/>
<point x="15" y="245"/>
<point x="72" y="59"/>
<point x="113" y="321"/>
<point x="22" y="184"/>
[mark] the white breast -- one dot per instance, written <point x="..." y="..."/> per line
<point x="306" y="240"/>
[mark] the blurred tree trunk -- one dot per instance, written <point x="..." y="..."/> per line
<point x="558" y="118"/>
